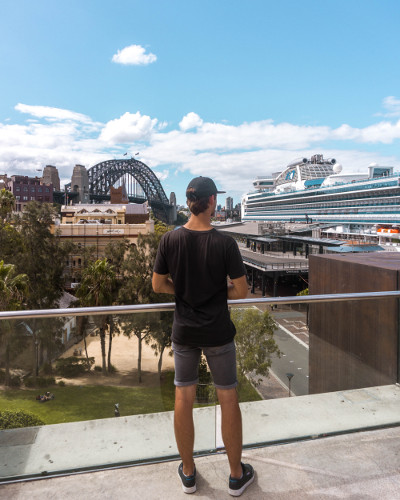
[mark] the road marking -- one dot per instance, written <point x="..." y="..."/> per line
<point x="293" y="336"/>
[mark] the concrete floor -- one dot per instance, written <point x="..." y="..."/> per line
<point x="364" y="465"/>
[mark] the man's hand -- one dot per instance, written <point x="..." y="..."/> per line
<point x="237" y="289"/>
<point x="162" y="283"/>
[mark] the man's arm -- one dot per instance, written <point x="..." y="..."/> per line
<point x="237" y="289"/>
<point x="162" y="283"/>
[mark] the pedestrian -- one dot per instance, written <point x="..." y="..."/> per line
<point x="193" y="263"/>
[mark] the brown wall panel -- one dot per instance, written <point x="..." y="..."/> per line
<point x="353" y="344"/>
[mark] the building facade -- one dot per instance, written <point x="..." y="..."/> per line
<point x="97" y="225"/>
<point x="26" y="189"/>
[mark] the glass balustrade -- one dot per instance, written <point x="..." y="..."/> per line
<point x="90" y="388"/>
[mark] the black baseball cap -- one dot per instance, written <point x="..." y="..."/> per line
<point x="202" y="187"/>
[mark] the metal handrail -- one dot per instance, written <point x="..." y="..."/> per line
<point x="170" y="306"/>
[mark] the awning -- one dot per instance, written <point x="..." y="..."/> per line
<point x="355" y="248"/>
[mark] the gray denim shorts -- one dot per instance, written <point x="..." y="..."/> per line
<point x="221" y="361"/>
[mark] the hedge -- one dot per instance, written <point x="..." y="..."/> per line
<point x="13" y="419"/>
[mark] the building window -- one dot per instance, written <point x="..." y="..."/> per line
<point x="32" y="197"/>
<point x="32" y="189"/>
<point x="39" y="189"/>
<point x="17" y="188"/>
<point x="25" y="188"/>
<point x="18" y="198"/>
<point x="47" y="190"/>
<point x="25" y="198"/>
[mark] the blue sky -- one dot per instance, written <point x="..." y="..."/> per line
<point x="230" y="89"/>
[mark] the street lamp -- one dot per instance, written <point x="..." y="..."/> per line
<point x="289" y="376"/>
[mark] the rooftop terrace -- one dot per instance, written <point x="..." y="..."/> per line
<point x="341" y="444"/>
<point x="357" y="466"/>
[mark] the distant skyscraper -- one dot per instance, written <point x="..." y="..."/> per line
<point x="229" y="203"/>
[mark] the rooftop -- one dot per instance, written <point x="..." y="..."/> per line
<point x="360" y="465"/>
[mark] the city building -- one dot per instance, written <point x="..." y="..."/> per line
<point x="97" y="225"/>
<point x="229" y="203"/>
<point x="26" y="189"/>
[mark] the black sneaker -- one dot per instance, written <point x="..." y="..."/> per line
<point x="237" y="486"/>
<point x="188" y="482"/>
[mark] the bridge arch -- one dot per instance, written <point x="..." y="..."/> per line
<point x="105" y="174"/>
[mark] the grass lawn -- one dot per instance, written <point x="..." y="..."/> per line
<point x="75" y="403"/>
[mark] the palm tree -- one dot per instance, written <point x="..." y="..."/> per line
<point x="13" y="289"/>
<point x="96" y="289"/>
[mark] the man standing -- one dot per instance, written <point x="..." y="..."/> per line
<point x="193" y="263"/>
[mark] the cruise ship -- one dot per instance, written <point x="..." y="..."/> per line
<point x="316" y="191"/>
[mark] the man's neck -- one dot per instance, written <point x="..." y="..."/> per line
<point x="201" y="222"/>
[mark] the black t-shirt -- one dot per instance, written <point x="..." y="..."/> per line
<point x="199" y="263"/>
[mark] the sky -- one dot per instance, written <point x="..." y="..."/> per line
<point x="230" y="89"/>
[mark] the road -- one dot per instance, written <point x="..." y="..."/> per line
<point x="294" y="360"/>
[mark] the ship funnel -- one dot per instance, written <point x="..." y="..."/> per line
<point x="333" y="161"/>
<point x="305" y="160"/>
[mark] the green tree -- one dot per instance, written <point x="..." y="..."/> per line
<point x="42" y="259"/>
<point x="43" y="255"/>
<point x="181" y="218"/>
<point x="160" y="227"/>
<point x="136" y="288"/>
<point x="138" y="271"/>
<point x="254" y="342"/>
<point x="13" y="290"/>
<point x="160" y="339"/>
<point x="10" y="243"/>
<point x="139" y="325"/>
<point x="115" y="254"/>
<point x="7" y="201"/>
<point x="97" y="289"/>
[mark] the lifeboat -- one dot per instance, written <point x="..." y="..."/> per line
<point x="389" y="230"/>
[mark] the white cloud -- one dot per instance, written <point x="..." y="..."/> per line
<point x="191" y="120"/>
<point x="233" y="155"/>
<point x="162" y="175"/>
<point x="52" y="113"/>
<point x="134" y="55"/>
<point x="383" y="132"/>
<point x="392" y="105"/>
<point x="130" y="127"/>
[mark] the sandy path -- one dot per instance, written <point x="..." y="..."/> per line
<point x="124" y="358"/>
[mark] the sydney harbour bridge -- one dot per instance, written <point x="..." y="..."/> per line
<point x="94" y="186"/>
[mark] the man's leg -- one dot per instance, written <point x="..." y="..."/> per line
<point x="231" y="427"/>
<point x="183" y="425"/>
